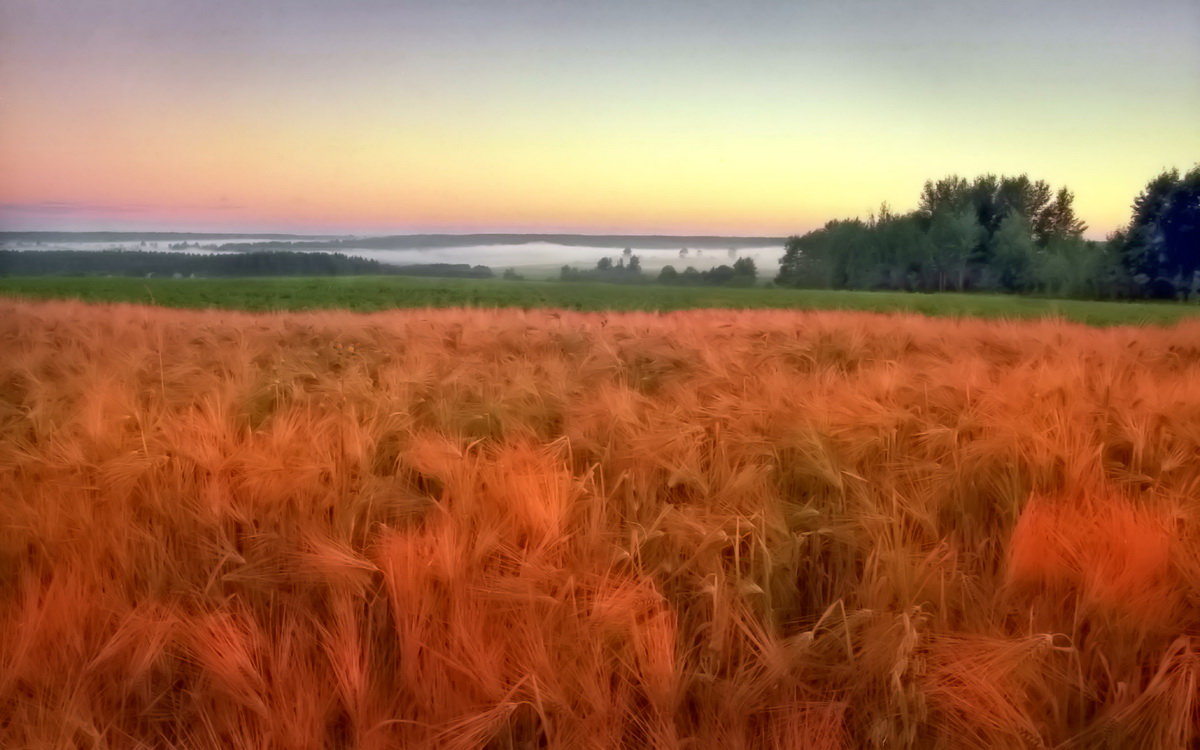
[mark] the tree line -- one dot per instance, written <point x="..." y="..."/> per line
<point x="627" y="269"/>
<point x="142" y="263"/>
<point x="742" y="273"/>
<point x="1010" y="234"/>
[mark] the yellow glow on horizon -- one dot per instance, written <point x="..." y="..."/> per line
<point x="651" y="173"/>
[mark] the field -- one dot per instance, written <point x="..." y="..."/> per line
<point x="368" y="294"/>
<point x="470" y="528"/>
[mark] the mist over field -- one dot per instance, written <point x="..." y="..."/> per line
<point x="548" y="258"/>
<point x="533" y="259"/>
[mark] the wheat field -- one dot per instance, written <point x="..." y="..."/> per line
<point x="532" y="529"/>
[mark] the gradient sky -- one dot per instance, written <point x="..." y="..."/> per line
<point x="576" y="115"/>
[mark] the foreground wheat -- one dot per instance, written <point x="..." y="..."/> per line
<point x="450" y="528"/>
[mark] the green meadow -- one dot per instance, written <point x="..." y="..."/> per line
<point x="372" y="293"/>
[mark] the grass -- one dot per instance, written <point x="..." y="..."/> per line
<point x="471" y="528"/>
<point x="368" y="294"/>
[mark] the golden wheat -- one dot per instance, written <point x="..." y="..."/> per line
<point x="480" y="528"/>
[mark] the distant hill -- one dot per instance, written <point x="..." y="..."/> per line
<point x="148" y="236"/>
<point x="401" y="241"/>
<point x="637" y="241"/>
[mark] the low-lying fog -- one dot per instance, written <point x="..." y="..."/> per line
<point x="545" y="259"/>
<point x="533" y="259"/>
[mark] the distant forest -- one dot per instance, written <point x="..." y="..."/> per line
<point x="1009" y="234"/>
<point x="627" y="269"/>
<point x="141" y="263"/>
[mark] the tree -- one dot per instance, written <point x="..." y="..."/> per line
<point x="1180" y="224"/>
<point x="604" y="264"/>
<point x="1161" y="248"/>
<point x="1058" y="220"/>
<point x="984" y="197"/>
<point x="1023" y="196"/>
<point x="949" y="194"/>
<point x="904" y="251"/>
<point x="800" y="263"/>
<point x="955" y="235"/>
<point x="991" y="199"/>
<point x="668" y="275"/>
<point x="1075" y="267"/>
<point x="1013" y="253"/>
<point x="995" y="232"/>
<point x="1145" y="251"/>
<point x="718" y="275"/>
<point x="824" y="258"/>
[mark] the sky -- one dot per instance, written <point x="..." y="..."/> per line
<point x="740" y="117"/>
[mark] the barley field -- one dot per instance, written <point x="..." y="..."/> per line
<point x="466" y="528"/>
